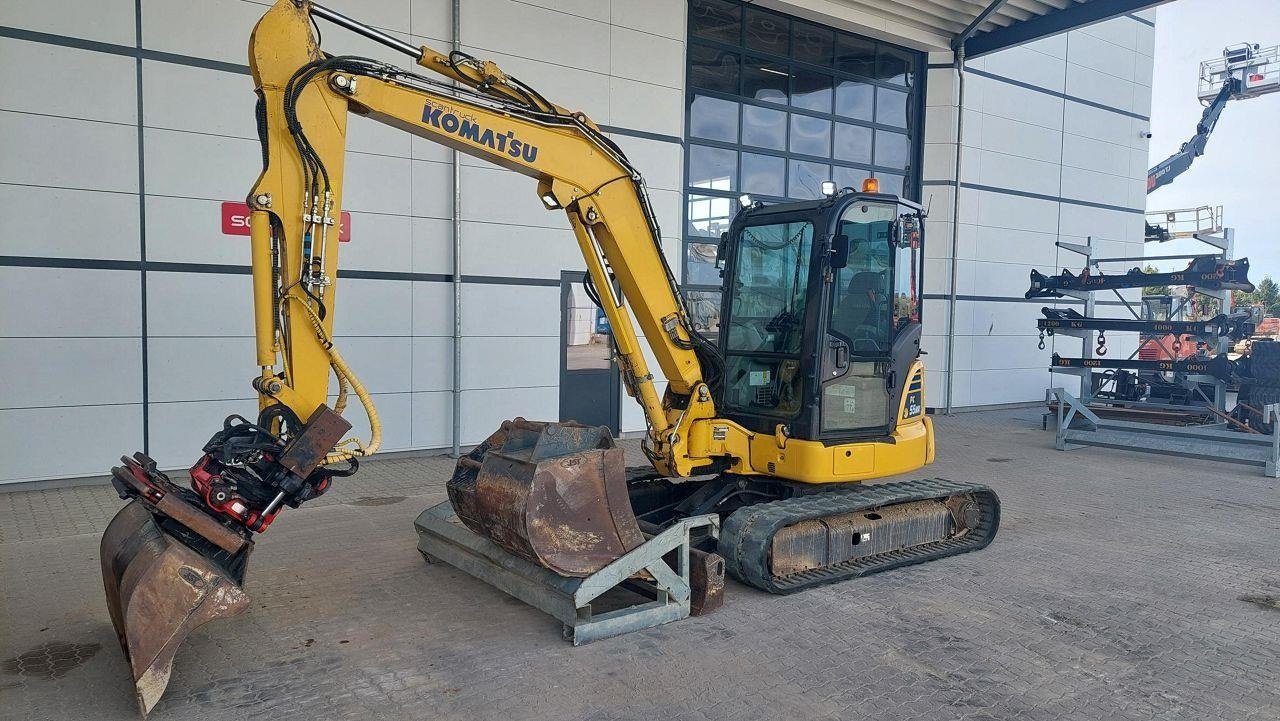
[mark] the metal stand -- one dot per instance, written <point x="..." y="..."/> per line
<point x="570" y="599"/>
<point x="1079" y="426"/>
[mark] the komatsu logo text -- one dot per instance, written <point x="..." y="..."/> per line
<point x="447" y="120"/>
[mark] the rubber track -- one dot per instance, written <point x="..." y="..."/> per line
<point x="747" y="534"/>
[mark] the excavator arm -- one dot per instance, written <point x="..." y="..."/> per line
<point x="306" y="95"/>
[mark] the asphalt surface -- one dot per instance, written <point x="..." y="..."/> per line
<point x="1120" y="586"/>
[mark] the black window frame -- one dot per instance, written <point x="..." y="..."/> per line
<point x="914" y="129"/>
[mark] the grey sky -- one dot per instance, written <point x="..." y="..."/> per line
<point x="1239" y="167"/>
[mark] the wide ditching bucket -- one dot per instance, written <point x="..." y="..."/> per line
<point x="167" y="568"/>
<point x="551" y="493"/>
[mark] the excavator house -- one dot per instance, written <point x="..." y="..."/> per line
<point x="813" y="385"/>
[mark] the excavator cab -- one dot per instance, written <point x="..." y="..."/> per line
<point x="820" y="316"/>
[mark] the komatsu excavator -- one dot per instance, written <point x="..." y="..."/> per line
<point x="813" y="385"/>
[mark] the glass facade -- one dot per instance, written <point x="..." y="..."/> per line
<point x="776" y="106"/>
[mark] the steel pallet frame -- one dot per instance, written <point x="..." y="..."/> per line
<point x="1078" y="427"/>
<point x="570" y="599"/>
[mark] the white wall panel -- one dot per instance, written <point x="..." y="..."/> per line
<point x="646" y="57"/>
<point x="432" y="313"/>
<point x="192" y="165"/>
<point x="200" y="368"/>
<point x="494" y="249"/>
<point x="71" y="302"/>
<point x="41" y="150"/>
<point x="187" y="230"/>
<point x="483" y="411"/>
<point x="432" y="419"/>
<point x="101" y="434"/>
<point x="378" y="242"/>
<point x="1028" y="66"/>
<point x="433" y="364"/>
<point x="212" y="29"/>
<point x="494" y="362"/>
<point x="59" y="223"/>
<point x="179" y="430"/>
<point x="641" y="106"/>
<point x="523" y="29"/>
<point x="55" y="80"/>
<point x="373" y="308"/>
<point x="510" y="310"/>
<point x="378" y="184"/>
<point x="383" y="364"/>
<point x="70" y="371"/>
<point x="202" y="100"/>
<point x="660" y="17"/>
<point x="199" y="304"/>
<point x="110" y="21"/>
<point x="1099" y="87"/>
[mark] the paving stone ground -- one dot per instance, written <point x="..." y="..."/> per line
<point x="1120" y="586"/>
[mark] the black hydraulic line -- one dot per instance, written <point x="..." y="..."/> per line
<point x="1204" y="272"/>
<point x="1235" y="326"/>
<point x="1218" y="366"/>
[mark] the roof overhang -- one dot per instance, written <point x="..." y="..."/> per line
<point x="980" y="26"/>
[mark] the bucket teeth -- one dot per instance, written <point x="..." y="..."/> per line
<point x="159" y="590"/>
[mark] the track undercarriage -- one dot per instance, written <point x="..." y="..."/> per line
<point x="783" y="537"/>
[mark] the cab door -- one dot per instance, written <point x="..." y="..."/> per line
<point x="872" y="332"/>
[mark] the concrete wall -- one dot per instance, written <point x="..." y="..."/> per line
<point x="126" y="317"/>
<point x="1052" y="152"/>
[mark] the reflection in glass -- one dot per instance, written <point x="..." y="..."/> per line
<point x="701" y="268"/>
<point x="891" y="107"/>
<point x="855" y="100"/>
<point x="765" y="80"/>
<point x="704" y="311"/>
<point x="713" y="118"/>
<point x="713" y="69"/>
<point x="767" y="32"/>
<point x="855" y="55"/>
<point x="713" y="168"/>
<point x="852" y="143"/>
<point x="892" y="183"/>
<point x="810" y="136"/>
<point x="764" y="174"/>
<point x="764" y="128"/>
<point x="709" y="217"/>
<point x="894" y="65"/>
<point x="716" y="20"/>
<point x="804" y="179"/>
<point x="893" y="150"/>
<point x="811" y="91"/>
<point x="588" y="345"/>
<point x="849" y="177"/>
<point x="812" y="43"/>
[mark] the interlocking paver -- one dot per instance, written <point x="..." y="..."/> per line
<point x="1113" y="591"/>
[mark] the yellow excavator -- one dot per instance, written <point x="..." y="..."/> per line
<point x="813" y="384"/>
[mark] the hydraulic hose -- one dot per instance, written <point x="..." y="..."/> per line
<point x="345" y="376"/>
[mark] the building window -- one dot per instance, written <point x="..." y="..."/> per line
<point x="776" y="106"/>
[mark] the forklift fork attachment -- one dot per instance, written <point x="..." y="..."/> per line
<point x="159" y="587"/>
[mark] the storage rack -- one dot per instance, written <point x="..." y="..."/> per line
<point x="1078" y="424"/>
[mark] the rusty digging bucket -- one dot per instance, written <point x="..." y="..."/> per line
<point x="167" y="568"/>
<point x="552" y="493"/>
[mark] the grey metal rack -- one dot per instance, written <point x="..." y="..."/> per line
<point x="1078" y="426"/>
<point x="571" y="599"/>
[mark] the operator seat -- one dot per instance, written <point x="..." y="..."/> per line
<point x="862" y="314"/>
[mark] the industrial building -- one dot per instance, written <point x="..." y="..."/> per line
<point x="127" y="127"/>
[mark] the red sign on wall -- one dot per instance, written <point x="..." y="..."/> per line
<point x="235" y="221"/>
